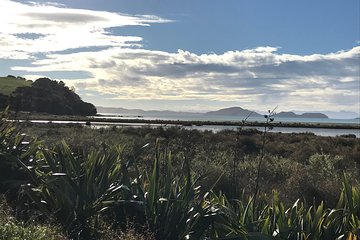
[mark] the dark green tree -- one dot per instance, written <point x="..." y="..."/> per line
<point x="4" y="101"/>
<point x="48" y="96"/>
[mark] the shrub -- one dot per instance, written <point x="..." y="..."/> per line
<point x="75" y="188"/>
<point x="12" y="229"/>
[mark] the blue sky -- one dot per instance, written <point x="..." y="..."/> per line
<point x="190" y="55"/>
<point x="302" y="27"/>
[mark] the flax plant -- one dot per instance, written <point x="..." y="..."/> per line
<point x="177" y="207"/>
<point x="75" y="189"/>
<point x="15" y="148"/>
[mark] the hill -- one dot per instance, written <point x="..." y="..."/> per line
<point x="10" y="83"/>
<point x="45" y="96"/>
<point x="140" y="112"/>
<point x="303" y="115"/>
<point x="238" y="111"/>
<point x="313" y="115"/>
<point x="119" y="110"/>
<point x="337" y="114"/>
<point x="234" y="111"/>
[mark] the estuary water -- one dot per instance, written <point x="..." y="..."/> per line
<point x="217" y="128"/>
<point x="222" y="118"/>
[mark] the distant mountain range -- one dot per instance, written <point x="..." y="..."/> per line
<point x="238" y="111"/>
<point x="232" y="111"/>
<point x="140" y="112"/>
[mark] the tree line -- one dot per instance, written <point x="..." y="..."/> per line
<point x="47" y="96"/>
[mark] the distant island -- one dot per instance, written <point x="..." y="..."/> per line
<point x="238" y="111"/>
<point x="303" y="115"/>
<point x="140" y="112"/>
<point x="234" y="111"/>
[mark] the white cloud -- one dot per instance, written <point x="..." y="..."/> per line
<point x="258" y="76"/>
<point x="59" y="28"/>
<point x="115" y="69"/>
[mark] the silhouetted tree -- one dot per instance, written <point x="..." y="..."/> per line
<point x="4" y="101"/>
<point x="48" y="96"/>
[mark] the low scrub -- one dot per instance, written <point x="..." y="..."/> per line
<point x="100" y="192"/>
<point x="12" y="229"/>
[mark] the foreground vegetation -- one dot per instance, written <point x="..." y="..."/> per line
<point x="10" y="228"/>
<point x="297" y="165"/>
<point x="179" y="184"/>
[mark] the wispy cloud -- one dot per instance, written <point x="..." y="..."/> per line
<point x="27" y="29"/>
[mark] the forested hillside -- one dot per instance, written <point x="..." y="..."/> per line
<point x="8" y="85"/>
<point x="42" y="96"/>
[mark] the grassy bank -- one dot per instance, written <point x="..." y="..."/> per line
<point x="10" y="83"/>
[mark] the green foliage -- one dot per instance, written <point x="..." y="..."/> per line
<point x="161" y="192"/>
<point x="15" y="149"/>
<point x="176" y="207"/>
<point x="12" y="229"/>
<point x="10" y="83"/>
<point x="19" y="231"/>
<point x="76" y="189"/>
<point x="4" y="101"/>
<point x="47" y="96"/>
<point x="7" y="86"/>
<point x="350" y="202"/>
<point x="274" y="221"/>
<point x="287" y="166"/>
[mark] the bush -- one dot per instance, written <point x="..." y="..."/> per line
<point x="12" y="229"/>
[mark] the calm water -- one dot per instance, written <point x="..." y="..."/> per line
<point x="200" y="117"/>
<point x="317" y="131"/>
<point x="204" y="117"/>
<point x="214" y="118"/>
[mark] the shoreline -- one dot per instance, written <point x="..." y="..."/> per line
<point x="111" y="121"/>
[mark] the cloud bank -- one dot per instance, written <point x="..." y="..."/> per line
<point x="73" y="40"/>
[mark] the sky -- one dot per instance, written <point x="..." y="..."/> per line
<point x="188" y="55"/>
